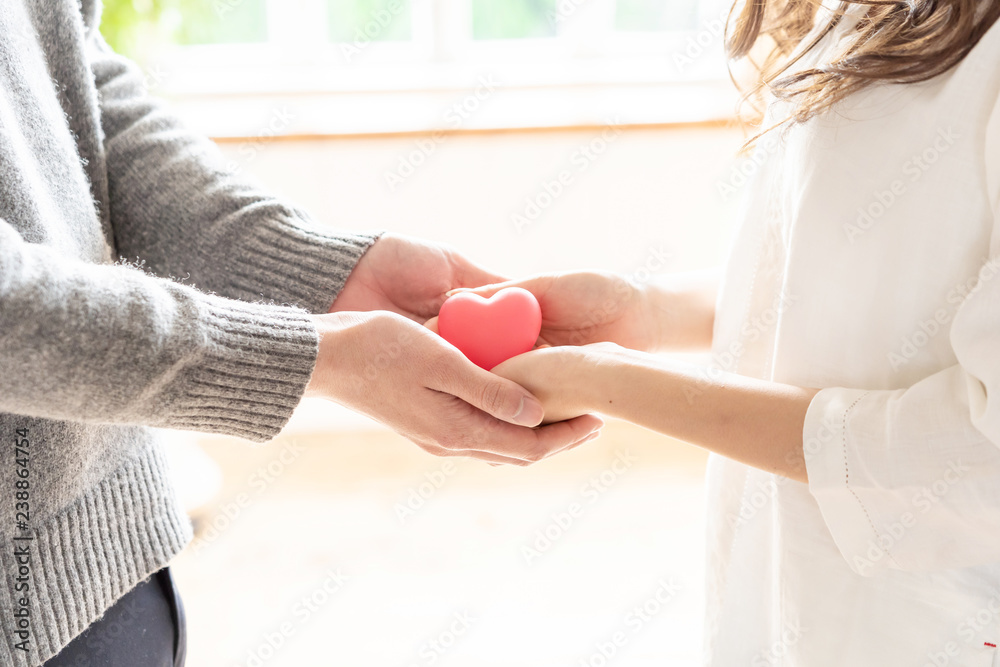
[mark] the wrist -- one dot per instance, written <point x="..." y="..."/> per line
<point x="651" y="315"/>
<point x="680" y="311"/>
<point x="339" y="334"/>
<point x="577" y="381"/>
<point x="602" y="378"/>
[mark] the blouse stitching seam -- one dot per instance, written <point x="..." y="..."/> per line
<point x="847" y="476"/>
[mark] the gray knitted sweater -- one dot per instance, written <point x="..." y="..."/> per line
<point x="212" y="333"/>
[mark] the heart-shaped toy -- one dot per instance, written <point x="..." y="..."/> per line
<point x="490" y="331"/>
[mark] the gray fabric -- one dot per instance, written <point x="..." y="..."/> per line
<point x="141" y="285"/>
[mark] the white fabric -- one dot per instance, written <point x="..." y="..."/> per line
<point x="863" y="232"/>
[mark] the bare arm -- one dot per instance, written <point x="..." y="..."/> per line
<point x="755" y="422"/>
<point x="752" y="421"/>
<point x="682" y="309"/>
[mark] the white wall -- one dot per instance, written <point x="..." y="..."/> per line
<point x="650" y="189"/>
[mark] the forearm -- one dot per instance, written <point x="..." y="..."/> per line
<point x="755" y="422"/>
<point x="681" y="309"/>
<point x="102" y="343"/>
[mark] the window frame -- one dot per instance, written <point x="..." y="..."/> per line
<point x="442" y="61"/>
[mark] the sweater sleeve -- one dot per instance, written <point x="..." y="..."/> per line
<point x="174" y="205"/>
<point x="109" y="343"/>
<point x="910" y="479"/>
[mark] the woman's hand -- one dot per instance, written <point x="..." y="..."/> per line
<point x="587" y="307"/>
<point x="562" y="378"/>
<point x="677" y="312"/>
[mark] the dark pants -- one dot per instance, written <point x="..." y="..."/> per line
<point x="145" y="628"/>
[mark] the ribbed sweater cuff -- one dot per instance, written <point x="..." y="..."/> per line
<point x="293" y="260"/>
<point x="250" y="374"/>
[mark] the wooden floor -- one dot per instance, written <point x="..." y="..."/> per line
<point x="358" y="549"/>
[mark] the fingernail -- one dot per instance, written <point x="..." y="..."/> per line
<point x="529" y="413"/>
<point x="452" y="292"/>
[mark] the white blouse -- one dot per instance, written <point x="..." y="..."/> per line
<point x="868" y="264"/>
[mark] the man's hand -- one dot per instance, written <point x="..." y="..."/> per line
<point x="408" y="277"/>
<point x="401" y="374"/>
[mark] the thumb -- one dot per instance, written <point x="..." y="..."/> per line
<point x="486" y="291"/>
<point x="470" y="274"/>
<point x="497" y="396"/>
<point x="538" y="285"/>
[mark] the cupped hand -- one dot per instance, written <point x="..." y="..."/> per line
<point x="401" y="374"/>
<point x="586" y="307"/>
<point x="408" y="277"/>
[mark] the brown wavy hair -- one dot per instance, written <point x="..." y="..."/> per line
<point x="902" y="41"/>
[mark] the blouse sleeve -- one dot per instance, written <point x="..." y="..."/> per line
<point x="909" y="479"/>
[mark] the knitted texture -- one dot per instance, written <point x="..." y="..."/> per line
<point x="141" y="285"/>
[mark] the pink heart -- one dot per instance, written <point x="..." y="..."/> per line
<point x="490" y="331"/>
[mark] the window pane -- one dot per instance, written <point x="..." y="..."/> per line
<point x="513" y="19"/>
<point x="221" y="21"/>
<point x="656" y="14"/>
<point x="363" y="20"/>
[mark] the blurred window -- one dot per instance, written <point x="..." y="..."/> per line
<point x="408" y="31"/>
<point x="513" y="19"/>
<point x="559" y="62"/>
<point x="379" y="20"/>
<point x="656" y="15"/>
<point x="222" y="22"/>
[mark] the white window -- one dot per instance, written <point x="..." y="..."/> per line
<point x="394" y="65"/>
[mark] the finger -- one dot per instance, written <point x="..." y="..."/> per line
<point x="538" y="285"/>
<point x="432" y="324"/>
<point x="563" y="436"/>
<point x="489" y="457"/>
<point x="531" y="445"/>
<point x="560" y="436"/>
<point x="488" y="288"/>
<point x="494" y="395"/>
<point x="582" y="441"/>
<point x="470" y="274"/>
<point x="518" y="462"/>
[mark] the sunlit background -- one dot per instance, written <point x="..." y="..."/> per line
<point x="340" y="543"/>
